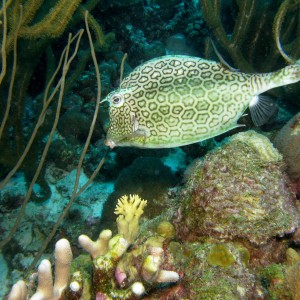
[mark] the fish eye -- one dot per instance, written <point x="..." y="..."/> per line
<point x="117" y="99"/>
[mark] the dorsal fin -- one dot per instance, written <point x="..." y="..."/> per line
<point x="262" y="108"/>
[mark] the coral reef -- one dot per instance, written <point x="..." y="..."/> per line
<point x="228" y="251"/>
<point x="138" y="178"/>
<point x="287" y="141"/>
<point x="46" y="289"/>
<point x="293" y="272"/>
<point x="239" y="192"/>
<point x="118" y="273"/>
<point x="224" y="233"/>
<point x="234" y="217"/>
<point x="219" y="255"/>
<point x="129" y="211"/>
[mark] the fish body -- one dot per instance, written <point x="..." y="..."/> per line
<point x="173" y="101"/>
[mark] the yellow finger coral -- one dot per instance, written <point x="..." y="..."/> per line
<point x="129" y="211"/>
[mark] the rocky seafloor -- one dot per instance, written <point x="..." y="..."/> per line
<point x="225" y="212"/>
<point x="229" y="232"/>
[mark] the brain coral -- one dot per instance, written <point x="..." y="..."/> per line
<point x="238" y="192"/>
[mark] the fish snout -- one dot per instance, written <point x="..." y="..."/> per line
<point x="110" y="143"/>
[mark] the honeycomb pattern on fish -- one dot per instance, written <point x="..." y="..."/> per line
<point x="178" y="100"/>
<point x="200" y="97"/>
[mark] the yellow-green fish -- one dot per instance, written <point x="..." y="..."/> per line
<point x="173" y="101"/>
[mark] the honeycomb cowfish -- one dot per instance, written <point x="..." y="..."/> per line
<point x="173" y="101"/>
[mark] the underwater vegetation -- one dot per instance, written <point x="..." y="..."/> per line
<point x="251" y="24"/>
<point x="224" y="227"/>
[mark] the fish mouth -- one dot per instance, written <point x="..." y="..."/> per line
<point x="113" y="141"/>
<point x="110" y="143"/>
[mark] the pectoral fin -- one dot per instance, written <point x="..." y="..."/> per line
<point x="262" y="108"/>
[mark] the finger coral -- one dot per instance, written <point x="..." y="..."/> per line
<point x="45" y="289"/>
<point x="117" y="272"/>
<point x="129" y="211"/>
<point x="98" y="247"/>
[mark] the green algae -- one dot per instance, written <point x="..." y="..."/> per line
<point x="212" y="286"/>
<point x="273" y="278"/>
<point x="220" y="256"/>
<point x="82" y="263"/>
<point x="274" y="271"/>
<point x="244" y="255"/>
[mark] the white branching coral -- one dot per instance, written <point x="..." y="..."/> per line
<point x="129" y="211"/>
<point x="18" y="291"/>
<point x="99" y="247"/>
<point x="117" y="271"/>
<point x="45" y="289"/>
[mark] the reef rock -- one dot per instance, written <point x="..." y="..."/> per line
<point x="287" y="142"/>
<point x="238" y="192"/>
